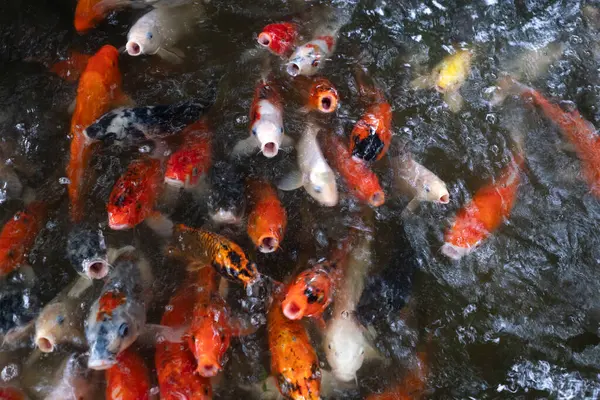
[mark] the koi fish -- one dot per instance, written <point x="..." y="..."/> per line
<point x="226" y="201"/>
<point x="266" y="123"/>
<point x="346" y="340"/>
<point x="294" y="361"/>
<point x="129" y="378"/>
<point x="200" y="247"/>
<point x="72" y="67"/>
<point x="416" y="180"/>
<point x="140" y="125"/>
<point x="88" y="15"/>
<point x="12" y="393"/>
<point x="411" y="387"/>
<point x="267" y="219"/>
<point x="313" y="290"/>
<point x="118" y="316"/>
<point x="576" y="129"/>
<point x="61" y="320"/>
<point x="189" y="166"/>
<point x="315" y="174"/>
<point x="159" y="30"/>
<point x="360" y="180"/>
<point x="134" y="195"/>
<point x="490" y="207"/>
<point x="279" y="38"/>
<point x="319" y="93"/>
<point x="307" y="59"/>
<point x="98" y="91"/>
<point x="87" y="252"/>
<point x="447" y="77"/>
<point x="371" y="136"/>
<point x="18" y="236"/>
<point x="175" y="363"/>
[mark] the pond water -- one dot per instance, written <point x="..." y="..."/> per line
<point x="518" y="318"/>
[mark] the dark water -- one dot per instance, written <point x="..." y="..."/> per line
<point x="517" y="319"/>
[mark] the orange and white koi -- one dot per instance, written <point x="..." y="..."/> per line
<point x="267" y="219"/>
<point x="129" y="379"/>
<point x="175" y="363"/>
<point x="308" y="58"/>
<point x="189" y="166"/>
<point x="99" y="91"/>
<point x="490" y="207"/>
<point x="200" y="247"/>
<point x="279" y="38"/>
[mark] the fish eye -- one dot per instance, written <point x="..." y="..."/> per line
<point x="317" y="188"/>
<point x="123" y="330"/>
<point x="427" y="189"/>
<point x="329" y="346"/>
<point x="281" y="129"/>
<point x="254" y="131"/>
<point x="194" y="171"/>
<point x="315" y="63"/>
<point x="149" y="35"/>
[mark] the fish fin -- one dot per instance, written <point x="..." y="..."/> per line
<point x="567" y="147"/>
<point x="421" y="82"/>
<point x="411" y="207"/>
<point x="16" y="335"/>
<point x="105" y="6"/>
<point x="28" y="195"/>
<point x="29" y="277"/>
<point x="122" y="100"/>
<point x="304" y="110"/>
<point x="245" y="147"/>
<point x="82" y="284"/>
<point x="155" y="333"/>
<point x="170" y="196"/>
<point x="112" y="254"/>
<point x="292" y="181"/>
<point x="454" y="100"/>
<point x="172" y="55"/>
<point x="160" y="224"/>
<point x="506" y="86"/>
<point x="287" y="141"/>
<point x="72" y="106"/>
<point x="320" y="323"/>
<point x="33" y="357"/>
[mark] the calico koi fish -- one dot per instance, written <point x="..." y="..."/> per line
<point x="490" y="207"/>
<point x="266" y="123"/>
<point x="308" y="58"/>
<point x="129" y="378"/>
<point x="189" y="166"/>
<point x="200" y="247"/>
<point x="267" y="219"/>
<point x="175" y="363"/>
<point x="279" y="38"/>
<point x="294" y="361"/>
<point x="99" y="90"/>
<point x="360" y="180"/>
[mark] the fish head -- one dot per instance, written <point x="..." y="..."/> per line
<point x="184" y="169"/>
<point x="321" y="185"/>
<point x="278" y="38"/>
<point x="306" y="60"/>
<point x="308" y="295"/>
<point x="434" y="190"/>
<point x="51" y="326"/>
<point x="210" y="339"/>
<point x="143" y="38"/>
<point x="323" y="96"/>
<point x="269" y="135"/>
<point x="365" y="139"/>
<point x="86" y="250"/>
<point x="113" y="325"/>
<point x="345" y="346"/>
<point x="125" y="207"/>
<point x="106" y="63"/>
<point x="226" y="201"/>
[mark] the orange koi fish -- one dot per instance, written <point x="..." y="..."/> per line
<point x="313" y="290"/>
<point x="362" y="182"/>
<point x="488" y="209"/>
<point x="267" y="220"/>
<point x="200" y="247"/>
<point x="279" y="38"/>
<point x="210" y="331"/>
<point x="90" y="13"/>
<point x="175" y="362"/>
<point x="98" y="92"/>
<point x="12" y="393"/>
<point x="134" y="194"/>
<point x="71" y="68"/>
<point x="18" y="236"/>
<point x="189" y="165"/>
<point x="319" y="93"/>
<point x="371" y="137"/>
<point x="580" y="132"/>
<point x="128" y="379"/>
<point x="411" y="387"/>
<point x="294" y="362"/>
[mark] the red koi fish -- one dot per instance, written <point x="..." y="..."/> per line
<point x="580" y="132"/>
<point x="189" y="165"/>
<point x="18" y="236"/>
<point x="313" y="290"/>
<point x="372" y="135"/>
<point x="98" y="92"/>
<point x="12" y="393"/>
<point x="134" y="195"/>
<point x="128" y="379"/>
<point x="490" y="207"/>
<point x="267" y="220"/>
<point x="360" y="180"/>
<point x="71" y="68"/>
<point x="175" y="363"/>
<point x="279" y="38"/>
